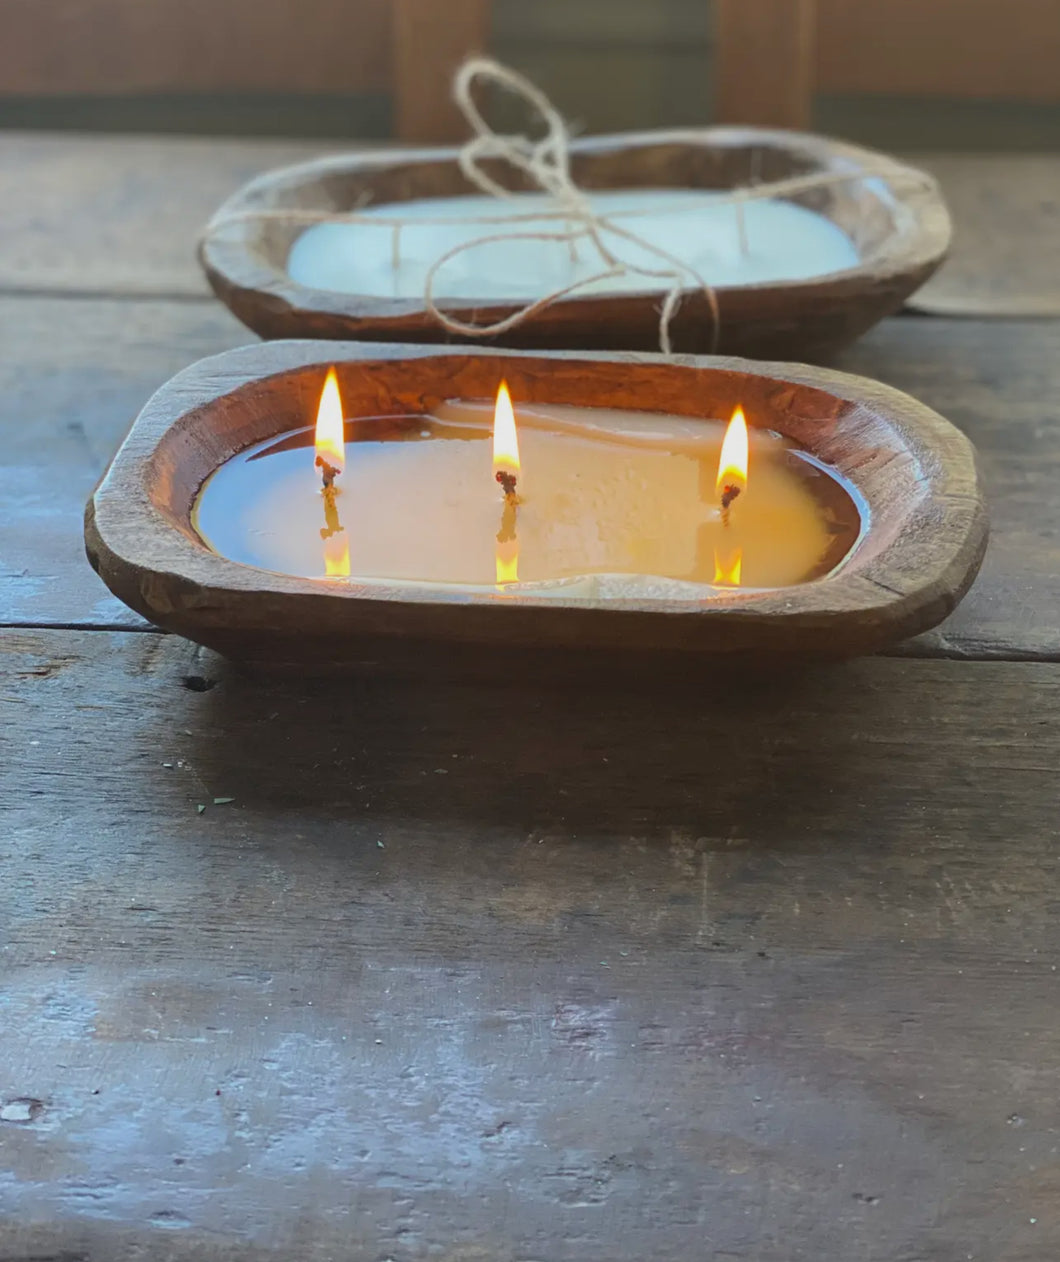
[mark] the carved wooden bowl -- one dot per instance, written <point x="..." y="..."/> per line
<point x="925" y="536"/>
<point x="899" y="226"/>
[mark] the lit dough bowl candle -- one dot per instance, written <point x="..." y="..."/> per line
<point x="412" y="573"/>
<point x="608" y="502"/>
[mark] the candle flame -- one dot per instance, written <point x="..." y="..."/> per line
<point x="727" y="569"/>
<point x="337" y="555"/>
<point x="330" y="435"/>
<point x="508" y="562"/>
<point x="505" y="439"/>
<point x="732" y="467"/>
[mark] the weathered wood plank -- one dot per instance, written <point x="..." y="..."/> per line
<point x="761" y="970"/>
<point x="1000" y="383"/>
<point x="73" y="374"/>
<point x="119" y="214"/>
<point x="1004" y="261"/>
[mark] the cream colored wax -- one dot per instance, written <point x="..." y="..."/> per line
<point x="624" y="499"/>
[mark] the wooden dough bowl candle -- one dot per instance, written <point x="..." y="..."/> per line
<point x="921" y="527"/>
<point x="893" y="221"/>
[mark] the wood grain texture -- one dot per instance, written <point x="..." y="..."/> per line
<point x="59" y="428"/>
<point x="924" y="538"/>
<point x="122" y="46"/>
<point x="431" y="39"/>
<point x="1005" y="209"/>
<point x="764" y="57"/>
<point x="245" y="247"/>
<point x="637" y="973"/>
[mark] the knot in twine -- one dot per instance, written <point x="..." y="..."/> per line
<point x="545" y="163"/>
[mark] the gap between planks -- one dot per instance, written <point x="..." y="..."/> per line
<point x="107" y="295"/>
<point x="931" y="647"/>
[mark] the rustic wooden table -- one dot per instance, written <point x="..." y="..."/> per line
<point x="568" y="973"/>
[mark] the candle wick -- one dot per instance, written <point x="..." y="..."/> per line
<point x="328" y="472"/>
<point x="332" y="524"/>
<point x="572" y="242"/>
<point x="741" y="228"/>
<point x="729" y="492"/>
<point x="509" y="520"/>
<point x="508" y="483"/>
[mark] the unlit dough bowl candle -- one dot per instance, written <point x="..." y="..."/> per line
<point x="611" y="504"/>
<point x="784" y="241"/>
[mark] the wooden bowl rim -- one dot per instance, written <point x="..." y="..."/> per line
<point x="897" y="591"/>
<point x="232" y="255"/>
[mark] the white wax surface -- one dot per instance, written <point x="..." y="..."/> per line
<point x="785" y="242"/>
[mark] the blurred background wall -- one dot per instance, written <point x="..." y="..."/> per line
<point x="609" y="65"/>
